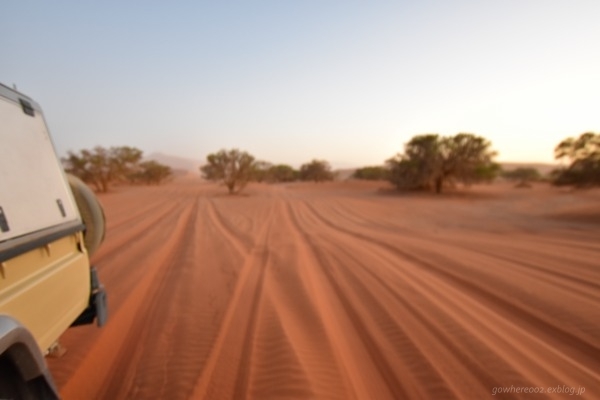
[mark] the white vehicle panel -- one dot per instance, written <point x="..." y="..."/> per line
<point x="34" y="194"/>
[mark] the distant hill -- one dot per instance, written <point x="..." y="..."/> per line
<point x="176" y="163"/>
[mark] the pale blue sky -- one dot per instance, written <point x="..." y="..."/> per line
<point x="288" y="81"/>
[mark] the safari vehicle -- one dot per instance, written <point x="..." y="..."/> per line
<point x="49" y="226"/>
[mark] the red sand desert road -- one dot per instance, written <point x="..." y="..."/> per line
<point x="337" y="291"/>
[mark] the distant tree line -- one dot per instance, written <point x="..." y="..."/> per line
<point x="102" y="167"/>
<point x="235" y="169"/>
<point x="428" y="162"/>
<point x="432" y="162"/>
<point x="267" y="172"/>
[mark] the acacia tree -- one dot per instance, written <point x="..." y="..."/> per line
<point x="232" y="167"/>
<point x="261" y="171"/>
<point x="91" y="166"/>
<point x="431" y="161"/>
<point x="124" y="161"/>
<point x="282" y="173"/>
<point x="101" y="167"/>
<point x="583" y="153"/>
<point x="418" y="166"/>
<point x="152" y="172"/>
<point x="467" y="158"/>
<point x="317" y="171"/>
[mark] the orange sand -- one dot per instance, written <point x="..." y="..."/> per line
<point x="341" y="291"/>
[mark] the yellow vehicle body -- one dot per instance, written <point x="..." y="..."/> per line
<point x="43" y="287"/>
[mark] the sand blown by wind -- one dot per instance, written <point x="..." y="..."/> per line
<point x="339" y="291"/>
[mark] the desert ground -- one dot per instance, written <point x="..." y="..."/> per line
<point x="341" y="291"/>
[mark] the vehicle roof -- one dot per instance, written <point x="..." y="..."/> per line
<point x="15" y="95"/>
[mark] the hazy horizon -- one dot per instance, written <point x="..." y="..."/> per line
<point x="347" y="82"/>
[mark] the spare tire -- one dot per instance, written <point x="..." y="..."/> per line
<point x="91" y="213"/>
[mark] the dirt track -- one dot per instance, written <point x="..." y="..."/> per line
<point x="337" y="291"/>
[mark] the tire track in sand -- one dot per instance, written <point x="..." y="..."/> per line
<point x="242" y="244"/>
<point x="395" y="388"/>
<point x="226" y="373"/>
<point x="124" y="216"/>
<point x="119" y="383"/>
<point x="476" y="336"/>
<point x="572" y="278"/>
<point x="294" y="355"/>
<point x="411" y="333"/>
<point x="92" y="375"/>
<point x="584" y="348"/>
<point x="579" y="352"/>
